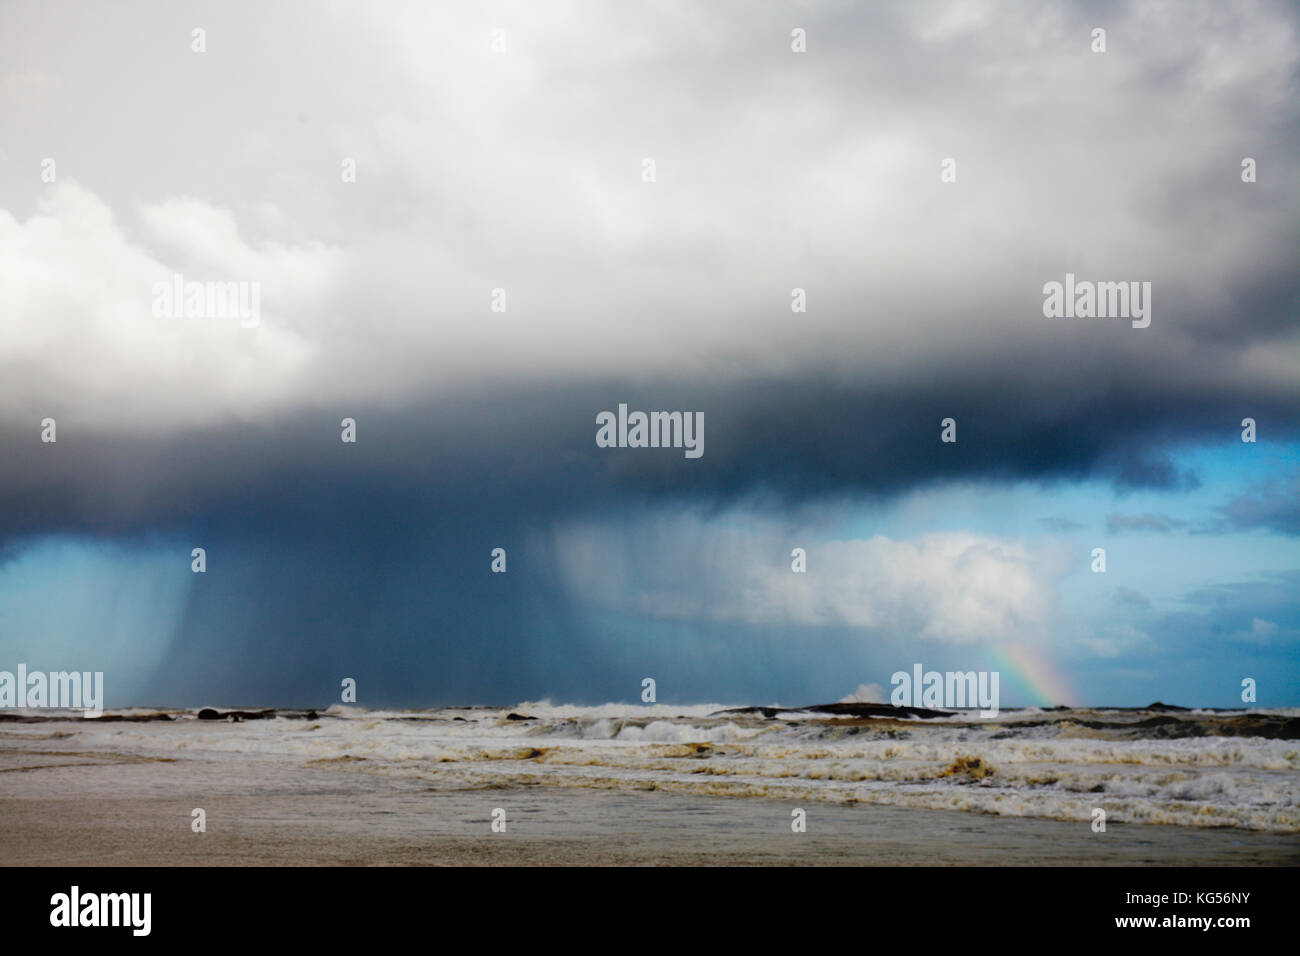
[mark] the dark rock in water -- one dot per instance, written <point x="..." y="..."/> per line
<point x="101" y="719"/>
<point x="518" y="717"/>
<point x="132" y="718"/>
<point x="460" y="718"/>
<point x="207" y="713"/>
<point x="1160" y="706"/>
<point x="885" y="710"/>
<point x="843" y="710"/>
<point x="877" y="710"/>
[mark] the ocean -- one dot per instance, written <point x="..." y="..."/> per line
<point x="557" y="771"/>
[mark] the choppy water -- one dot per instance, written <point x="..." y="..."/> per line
<point x="1195" y="768"/>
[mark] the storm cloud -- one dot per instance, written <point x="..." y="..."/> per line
<point x="522" y="170"/>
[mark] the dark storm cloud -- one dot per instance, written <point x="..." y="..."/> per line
<point x="476" y="429"/>
<point x="777" y="441"/>
<point x="328" y="559"/>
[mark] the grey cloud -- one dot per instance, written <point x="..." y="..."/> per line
<point x="1273" y="506"/>
<point x="522" y="171"/>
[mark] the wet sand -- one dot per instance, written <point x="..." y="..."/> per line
<point x="95" y="808"/>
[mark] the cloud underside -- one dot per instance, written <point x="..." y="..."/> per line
<point x="523" y="172"/>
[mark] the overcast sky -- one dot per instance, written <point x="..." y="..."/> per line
<point x="521" y="168"/>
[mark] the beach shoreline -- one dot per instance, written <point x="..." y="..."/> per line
<point x="103" y="809"/>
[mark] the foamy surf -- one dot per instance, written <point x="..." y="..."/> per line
<point x="1190" y="768"/>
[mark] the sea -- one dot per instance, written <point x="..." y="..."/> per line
<point x="1196" y="768"/>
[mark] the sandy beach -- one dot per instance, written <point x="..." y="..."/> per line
<point x="313" y="828"/>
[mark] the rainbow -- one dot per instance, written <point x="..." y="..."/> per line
<point x="1036" y="676"/>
